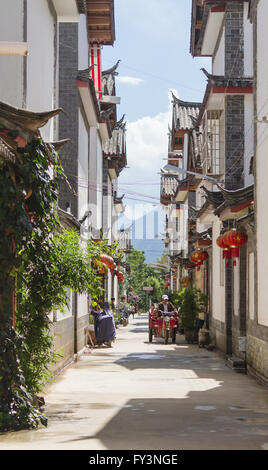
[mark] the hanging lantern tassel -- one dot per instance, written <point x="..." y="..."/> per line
<point x="234" y="253"/>
<point x="227" y="255"/>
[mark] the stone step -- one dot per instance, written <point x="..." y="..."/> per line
<point x="237" y="364"/>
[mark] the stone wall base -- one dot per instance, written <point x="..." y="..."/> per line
<point x="64" y="344"/>
<point x="257" y="358"/>
<point x="218" y="334"/>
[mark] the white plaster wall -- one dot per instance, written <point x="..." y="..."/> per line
<point x="82" y="167"/>
<point x="218" y="64"/>
<point x="83" y="50"/>
<point x="11" y="29"/>
<point x="68" y="310"/>
<point x="183" y="224"/>
<point x="185" y="153"/>
<point x="236" y="298"/>
<point x="99" y="181"/>
<point x="109" y="286"/>
<point x="82" y="305"/>
<point x="115" y="230"/>
<point x="262" y="164"/>
<point x="218" y="290"/>
<point x="251" y="286"/>
<point x="95" y="178"/>
<point x="248" y="44"/>
<point x="249" y="138"/>
<point x="40" y="61"/>
<point x="109" y="210"/>
<point x="93" y="175"/>
<point x="82" y="299"/>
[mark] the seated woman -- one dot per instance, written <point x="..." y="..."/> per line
<point x="104" y="325"/>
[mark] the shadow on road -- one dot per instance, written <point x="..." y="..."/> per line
<point x="184" y="398"/>
<point x="202" y="422"/>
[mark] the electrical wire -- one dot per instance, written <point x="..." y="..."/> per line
<point x="157" y="77"/>
<point x="228" y="172"/>
<point x="152" y="200"/>
<point x="84" y="182"/>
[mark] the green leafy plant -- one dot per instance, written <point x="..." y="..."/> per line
<point x="141" y="275"/>
<point x="27" y="216"/>
<point x="62" y="264"/>
<point x="44" y="261"/>
<point x="191" y="301"/>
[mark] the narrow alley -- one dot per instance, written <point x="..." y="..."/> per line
<point x="141" y="395"/>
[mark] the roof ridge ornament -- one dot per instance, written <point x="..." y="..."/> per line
<point x="120" y="124"/>
<point x="85" y="73"/>
<point x="182" y="103"/>
<point x="112" y="70"/>
<point x="209" y="76"/>
<point x="28" y="120"/>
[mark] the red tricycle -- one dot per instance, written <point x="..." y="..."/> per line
<point x="163" y="324"/>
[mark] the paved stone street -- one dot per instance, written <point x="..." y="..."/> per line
<point x="139" y="395"/>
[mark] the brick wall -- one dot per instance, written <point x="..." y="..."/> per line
<point x="234" y="141"/>
<point x="234" y="109"/>
<point x="234" y="40"/>
<point x="68" y="100"/>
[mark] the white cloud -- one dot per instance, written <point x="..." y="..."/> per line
<point x="130" y="80"/>
<point x="147" y="141"/>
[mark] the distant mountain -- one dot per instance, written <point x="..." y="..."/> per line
<point x="146" y="233"/>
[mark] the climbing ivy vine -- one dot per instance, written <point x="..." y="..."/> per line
<point x="28" y="192"/>
<point x="39" y="260"/>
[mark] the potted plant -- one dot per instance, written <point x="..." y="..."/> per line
<point x="193" y="301"/>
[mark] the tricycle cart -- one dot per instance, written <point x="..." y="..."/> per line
<point x="163" y="325"/>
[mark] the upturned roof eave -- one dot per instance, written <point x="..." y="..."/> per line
<point x="235" y="198"/>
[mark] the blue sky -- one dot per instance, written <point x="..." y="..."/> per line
<point x="153" y="44"/>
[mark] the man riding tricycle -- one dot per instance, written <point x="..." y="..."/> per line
<point x="163" y="321"/>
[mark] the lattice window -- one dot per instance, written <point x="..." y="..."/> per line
<point x="212" y="151"/>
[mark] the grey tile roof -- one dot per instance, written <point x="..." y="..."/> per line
<point x="82" y="6"/>
<point x="168" y="189"/>
<point x="184" y="113"/>
<point x="235" y="198"/>
<point x="221" y="80"/>
<point x="6" y="152"/>
<point x="117" y="143"/>
<point x="108" y="80"/>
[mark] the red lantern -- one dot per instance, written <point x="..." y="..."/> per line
<point x="108" y="260"/>
<point x="220" y="242"/>
<point x="234" y="239"/>
<point x="197" y="256"/>
<point x="120" y="277"/>
<point x="226" y="254"/>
